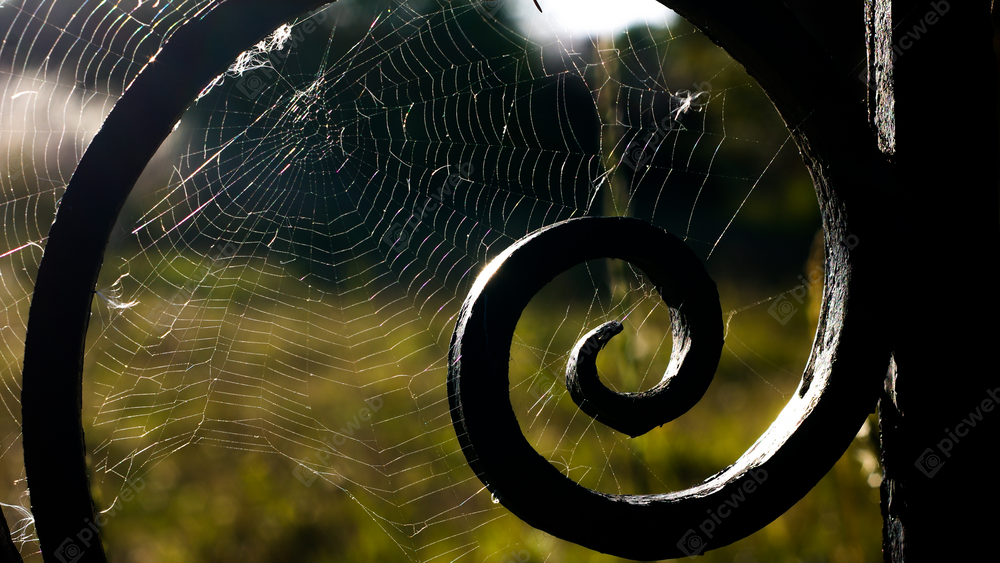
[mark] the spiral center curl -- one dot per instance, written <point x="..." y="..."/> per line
<point x="479" y="387"/>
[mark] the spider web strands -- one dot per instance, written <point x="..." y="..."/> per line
<point x="301" y="251"/>
<point x="62" y="67"/>
<point x="742" y="203"/>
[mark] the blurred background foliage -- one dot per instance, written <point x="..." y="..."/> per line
<point x="227" y="502"/>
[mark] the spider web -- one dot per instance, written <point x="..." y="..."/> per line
<point x="270" y="337"/>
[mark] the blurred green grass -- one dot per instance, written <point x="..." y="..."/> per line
<point x="230" y="491"/>
<point x="210" y="503"/>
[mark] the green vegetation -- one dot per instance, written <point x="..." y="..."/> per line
<point x="287" y="401"/>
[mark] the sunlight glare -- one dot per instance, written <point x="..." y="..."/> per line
<point x="587" y="17"/>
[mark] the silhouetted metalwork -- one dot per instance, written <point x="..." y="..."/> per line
<point x="840" y="384"/>
<point x="51" y="398"/>
<point x="8" y="551"/>
<point x="478" y="385"/>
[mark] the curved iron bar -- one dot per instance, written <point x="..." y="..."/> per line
<point x="8" y="551"/>
<point x="798" y="449"/>
<point x="840" y="383"/>
<point x="679" y="277"/>
<point x="51" y="398"/>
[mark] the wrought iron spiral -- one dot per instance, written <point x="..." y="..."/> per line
<point x="491" y="311"/>
<point x="525" y="482"/>
<point x="478" y="382"/>
<point x="839" y="386"/>
<point x="529" y="485"/>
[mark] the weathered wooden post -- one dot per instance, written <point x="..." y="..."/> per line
<point x="934" y="100"/>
